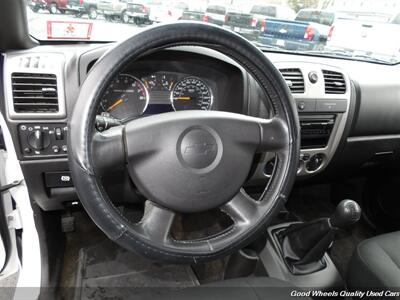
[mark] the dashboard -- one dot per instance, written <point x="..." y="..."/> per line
<point x="159" y="84"/>
<point x="336" y="101"/>
<point x="128" y="97"/>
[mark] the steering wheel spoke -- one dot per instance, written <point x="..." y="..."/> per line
<point x="242" y="209"/>
<point x="274" y="135"/>
<point x="156" y="223"/>
<point x="108" y="150"/>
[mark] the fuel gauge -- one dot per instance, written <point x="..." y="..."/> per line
<point x="167" y="82"/>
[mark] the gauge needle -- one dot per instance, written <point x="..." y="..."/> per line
<point x="115" y="104"/>
<point x="183" y="98"/>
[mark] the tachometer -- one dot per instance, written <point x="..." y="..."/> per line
<point x="126" y="97"/>
<point x="191" y="93"/>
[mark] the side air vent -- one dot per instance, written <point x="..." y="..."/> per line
<point x="334" y="82"/>
<point x="34" y="93"/>
<point x="294" y="79"/>
<point x="90" y="65"/>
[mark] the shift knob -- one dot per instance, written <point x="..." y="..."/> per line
<point x="347" y="212"/>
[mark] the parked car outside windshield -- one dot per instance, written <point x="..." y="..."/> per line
<point x="350" y="29"/>
<point x="317" y="16"/>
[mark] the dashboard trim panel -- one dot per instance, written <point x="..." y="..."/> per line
<point x="314" y="92"/>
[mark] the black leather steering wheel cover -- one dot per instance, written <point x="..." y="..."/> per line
<point x="81" y="128"/>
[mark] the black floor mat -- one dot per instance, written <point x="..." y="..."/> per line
<point x="97" y="268"/>
<point x="107" y="271"/>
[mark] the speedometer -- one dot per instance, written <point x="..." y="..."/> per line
<point x="191" y="93"/>
<point x="125" y="98"/>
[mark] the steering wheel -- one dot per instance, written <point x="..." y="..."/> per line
<point x="188" y="161"/>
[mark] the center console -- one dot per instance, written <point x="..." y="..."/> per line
<point x="322" y="94"/>
<point x="326" y="277"/>
<point x="298" y="252"/>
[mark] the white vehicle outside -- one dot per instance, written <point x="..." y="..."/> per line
<point x="380" y="39"/>
<point x="274" y="11"/>
<point x="161" y="12"/>
<point x="215" y="14"/>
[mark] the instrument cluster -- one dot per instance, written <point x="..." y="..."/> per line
<point x="132" y="95"/>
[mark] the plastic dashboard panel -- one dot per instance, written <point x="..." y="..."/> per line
<point x="379" y="109"/>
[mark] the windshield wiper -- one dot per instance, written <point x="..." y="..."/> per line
<point x="373" y="58"/>
<point x="331" y="52"/>
<point x="348" y="54"/>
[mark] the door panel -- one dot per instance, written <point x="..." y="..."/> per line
<point x="8" y="240"/>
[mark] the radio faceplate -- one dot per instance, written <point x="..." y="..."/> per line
<point x="316" y="131"/>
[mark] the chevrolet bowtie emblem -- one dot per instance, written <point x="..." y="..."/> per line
<point x="200" y="148"/>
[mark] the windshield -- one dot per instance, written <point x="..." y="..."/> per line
<point x="351" y="29"/>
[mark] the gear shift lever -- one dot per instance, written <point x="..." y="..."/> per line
<point x="347" y="212"/>
<point x="306" y="243"/>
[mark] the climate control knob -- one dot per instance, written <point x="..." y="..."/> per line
<point x="38" y="140"/>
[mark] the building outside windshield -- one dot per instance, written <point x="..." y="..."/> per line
<point x="353" y="29"/>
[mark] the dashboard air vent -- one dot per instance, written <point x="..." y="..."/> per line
<point x="334" y="82"/>
<point x="90" y="65"/>
<point x="34" y="93"/>
<point x="294" y="79"/>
